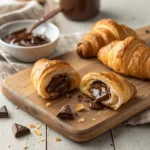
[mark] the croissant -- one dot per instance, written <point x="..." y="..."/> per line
<point x="101" y="34"/>
<point x="129" y="57"/>
<point x="54" y="78"/>
<point x="107" y="88"/>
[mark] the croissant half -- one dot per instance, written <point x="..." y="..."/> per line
<point x="101" y="34"/>
<point x="130" y="57"/>
<point x="53" y="78"/>
<point x="107" y="88"/>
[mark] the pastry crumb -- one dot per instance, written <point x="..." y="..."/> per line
<point x="58" y="139"/>
<point x="93" y="118"/>
<point x="81" y="120"/>
<point x="80" y="107"/>
<point x="39" y="126"/>
<point x="37" y="132"/>
<point x="16" y="107"/>
<point x="26" y="147"/>
<point x="42" y="139"/>
<point x="48" y="104"/>
<point x="9" y="145"/>
<point x="68" y="95"/>
<point x="32" y="125"/>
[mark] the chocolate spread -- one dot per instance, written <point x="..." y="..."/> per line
<point x="96" y="106"/>
<point x="59" y="85"/>
<point x="80" y="9"/>
<point x="20" y="38"/>
<point x="100" y="91"/>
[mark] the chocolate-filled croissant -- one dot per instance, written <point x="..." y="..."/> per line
<point x="54" y="78"/>
<point x="101" y="34"/>
<point x="107" y="88"/>
<point x="130" y="57"/>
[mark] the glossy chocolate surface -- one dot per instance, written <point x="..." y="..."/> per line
<point x="100" y="91"/>
<point x="96" y="106"/>
<point x="20" y="38"/>
<point x="59" y="85"/>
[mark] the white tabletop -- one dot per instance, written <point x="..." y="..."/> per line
<point x="134" y="13"/>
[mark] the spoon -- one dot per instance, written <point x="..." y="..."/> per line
<point x="24" y="33"/>
<point x="44" y="19"/>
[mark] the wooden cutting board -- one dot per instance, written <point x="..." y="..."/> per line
<point x="19" y="89"/>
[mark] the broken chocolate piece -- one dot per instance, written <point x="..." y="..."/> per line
<point x="65" y="113"/>
<point x="20" y="130"/>
<point x="3" y="112"/>
<point x="96" y="106"/>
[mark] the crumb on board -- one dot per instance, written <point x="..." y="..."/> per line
<point x="32" y="125"/>
<point x="42" y="139"/>
<point x="93" y="118"/>
<point x="26" y="147"/>
<point x="68" y="95"/>
<point x="16" y="107"/>
<point x="39" y="126"/>
<point x="48" y="104"/>
<point x="58" y="139"/>
<point x="9" y="145"/>
<point x="80" y="107"/>
<point x="81" y="120"/>
<point x="37" y="132"/>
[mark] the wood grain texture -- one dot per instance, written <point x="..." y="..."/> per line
<point x="19" y="89"/>
<point x="132" y="137"/>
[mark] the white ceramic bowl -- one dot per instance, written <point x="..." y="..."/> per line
<point x="30" y="54"/>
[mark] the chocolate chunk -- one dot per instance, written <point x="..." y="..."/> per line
<point x="65" y="113"/>
<point x="147" y="31"/>
<point x="96" y="106"/>
<point x="20" y="130"/>
<point x="3" y="112"/>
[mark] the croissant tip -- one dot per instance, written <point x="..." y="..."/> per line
<point x="79" y="52"/>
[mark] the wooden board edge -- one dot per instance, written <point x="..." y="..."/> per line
<point x="83" y="135"/>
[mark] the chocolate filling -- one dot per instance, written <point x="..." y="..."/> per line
<point x="59" y="85"/>
<point x="100" y="91"/>
<point x="20" y="38"/>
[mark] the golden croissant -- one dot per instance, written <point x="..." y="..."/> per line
<point x="129" y="57"/>
<point x="101" y="34"/>
<point x="107" y="88"/>
<point x="54" y="78"/>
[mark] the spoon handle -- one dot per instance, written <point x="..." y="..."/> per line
<point x="44" y="19"/>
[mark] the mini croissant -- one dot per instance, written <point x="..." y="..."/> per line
<point x="101" y="34"/>
<point x="54" y="78"/>
<point x="107" y="88"/>
<point x="130" y="57"/>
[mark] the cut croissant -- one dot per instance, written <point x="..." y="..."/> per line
<point x="107" y="88"/>
<point x="101" y="34"/>
<point x="130" y="57"/>
<point x="54" y="78"/>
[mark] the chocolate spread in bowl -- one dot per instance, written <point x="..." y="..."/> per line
<point x="100" y="91"/>
<point x="20" y="38"/>
<point x="59" y="85"/>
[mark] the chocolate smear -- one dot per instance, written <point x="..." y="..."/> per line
<point x="95" y="106"/>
